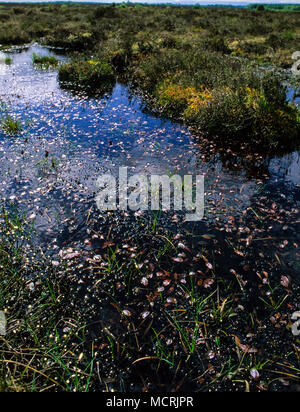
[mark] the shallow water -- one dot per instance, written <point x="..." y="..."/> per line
<point x="68" y="140"/>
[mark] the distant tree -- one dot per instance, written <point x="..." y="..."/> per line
<point x="260" y="7"/>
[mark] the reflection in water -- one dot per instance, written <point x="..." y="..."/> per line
<point x="287" y="167"/>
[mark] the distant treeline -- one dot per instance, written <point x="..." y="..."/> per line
<point x="276" y="7"/>
<point x="259" y="6"/>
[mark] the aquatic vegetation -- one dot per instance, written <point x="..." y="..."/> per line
<point x="11" y="126"/>
<point x="5" y="59"/>
<point x="260" y="113"/>
<point x="89" y="75"/>
<point x="47" y="165"/>
<point x="181" y="322"/>
<point x="45" y="61"/>
<point x="141" y="294"/>
<point x="177" y="99"/>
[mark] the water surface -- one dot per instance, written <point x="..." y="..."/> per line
<point x="68" y="140"/>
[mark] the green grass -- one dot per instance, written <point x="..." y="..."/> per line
<point x="275" y="7"/>
<point x="11" y="126"/>
<point x="43" y="346"/>
<point x="45" y="61"/>
<point x="197" y="338"/>
<point x="89" y="75"/>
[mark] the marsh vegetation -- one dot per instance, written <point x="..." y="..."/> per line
<point x="11" y="126"/>
<point x="44" y="61"/>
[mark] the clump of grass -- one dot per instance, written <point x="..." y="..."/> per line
<point x="11" y="126"/>
<point x="248" y="114"/>
<point x="89" y="75"/>
<point x="221" y="96"/>
<point x="45" y="61"/>
<point x="8" y="60"/>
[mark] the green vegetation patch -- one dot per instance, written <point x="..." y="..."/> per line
<point x="45" y="61"/>
<point x="92" y="76"/>
<point x="243" y="113"/>
<point x="11" y="126"/>
<point x="144" y="322"/>
<point x="223" y="96"/>
<point x="43" y="344"/>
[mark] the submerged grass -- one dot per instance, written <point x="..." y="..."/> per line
<point x="134" y="319"/>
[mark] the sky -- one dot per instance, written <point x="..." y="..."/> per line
<point x="171" y="1"/>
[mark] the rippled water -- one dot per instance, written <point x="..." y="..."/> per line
<point x="50" y="171"/>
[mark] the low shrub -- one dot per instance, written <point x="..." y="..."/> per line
<point x="105" y="11"/>
<point x="168" y="41"/>
<point x="275" y="41"/>
<point x="120" y="60"/>
<point x="177" y="99"/>
<point x="217" y="44"/>
<point x="70" y="41"/>
<point x="253" y="48"/>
